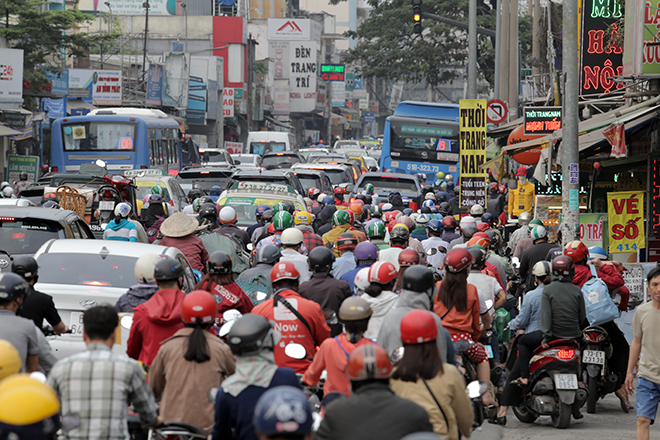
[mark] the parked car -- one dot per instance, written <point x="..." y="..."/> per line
<point x="272" y="161"/>
<point x="80" y="274"/>
<point x="384" y="183"/>
<point x="313" y="179"/>
<point x="24" y="229"/>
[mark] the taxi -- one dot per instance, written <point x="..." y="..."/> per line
<point x="245" y="197"/>
<point x="147" y="179"/>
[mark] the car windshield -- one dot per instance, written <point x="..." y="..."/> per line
<point x="279" y="161"/>
<point x="205" y="179"/>
<point x="87" y="269"/>
<point x="25" y="236"/>
<point x="388" y="182"/>
<point x="309" y="181"/>
<point x="351" y="145"/>
<point x="212" y="156"/>
<point x="144" y="188"/>
<point x="245" y="159"/>
<point x="337" y="176"/>
<point x="245" y="207"/>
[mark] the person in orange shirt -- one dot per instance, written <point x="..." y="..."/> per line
<point x="332" y="356"/>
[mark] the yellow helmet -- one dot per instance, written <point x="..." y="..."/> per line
<point x="10" y="359"/>
<point x="303" y="218"/>
<point x="440" y="175"/>
<point x="28" y="407"/>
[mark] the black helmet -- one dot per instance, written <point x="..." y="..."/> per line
<point x="267" y="216"/>
<point x="399" y="233"/>
<point x="441" y="197"/>
<point x="290" y="207"/>
<point x="24" y="176"/>
<point x="444" y="208"/>
<point x="168" y="269"/>
<point x="361" y="197"/>
<point x="479" y="257"/>
<point x="494" y="238"/>
<point x="418" y="279"/>
<point x="249" y="335"/>
<point x="209" y="211"/>
<point x="269" y="254"/>
<point x="219" y="263"/>
<point x="425" y="210"/>
<point x="489" y="218"/>
<point x="195" y="193"/>
<point x="25" y="266"/>
<point x="12" y="286"/>
<point x="469" y="231"/>
<point x="50" y="197"/>
<point x="321" y="259"/>
<point x="204" y="200"/>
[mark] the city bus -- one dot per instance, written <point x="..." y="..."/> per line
<point x="125" y="138"/>
<point x="422" y="138"/>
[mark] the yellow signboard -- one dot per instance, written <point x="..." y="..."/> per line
<point x="473" y="152"/>
<point x="626" y="221"/>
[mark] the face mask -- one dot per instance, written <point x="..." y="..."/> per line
<point x="522" y="179"/>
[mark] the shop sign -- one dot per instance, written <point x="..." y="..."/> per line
<point x="473" y="123"/>
<point x="541" y="120"/>
<point x="626" y="220"/>
<point x="332" y="72"/>
<point x="18" y="164"/>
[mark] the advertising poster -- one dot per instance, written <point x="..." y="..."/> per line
<point x="303" y="62"/>
<point x="473" y="152"/>
<point x="11" y="75"/>
<point x="234" y="147"/>
<point x="18" y="164"/>
<point x="98" y="87"/>
<point x="196" y="113"/>
<point x="626" y="220"/>
<point x="155" y="85"/>
<point x="281" y="97"/>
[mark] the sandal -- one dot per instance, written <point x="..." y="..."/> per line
<point x="519" y="382"/>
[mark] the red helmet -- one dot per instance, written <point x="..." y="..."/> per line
<point x="359" y="202"/>
<point x="577" y="250"/>
<point x="382" y="272"/>
<point x="340" y="190"/>
<point x="458" y="259"/>
<point x="418" y="326"/>
<point x="369" y="361"/>
<point x="271" y="229"/>
<point x="389" y="216"/>
<point x="408" y="257"/>
<point x="313" y="192"/>
<point x="449" y="222"/>
<point x="501" y="189"/>
<point x="563" y="266"/>
<point x="484" y="242"/>
<point x="493" y="186"/>
<point x="405" y="220"/>
<point x="483" y="227"/>
<point x="391" y="224"/>
<point x="284" y="270"/>
<point x="347" y="240"/>
<point x="351" y="216"/>
<point x="199" y="307"/>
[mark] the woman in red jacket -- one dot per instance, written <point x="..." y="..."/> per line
<point x="219" y="281"/>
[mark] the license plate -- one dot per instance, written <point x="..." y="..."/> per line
<point x="106" y="205"/>
<point x="489" y="351"/>
<point x="566" y="381"/>
<point x="593" y="357"/>
<point x="76" y="323"/>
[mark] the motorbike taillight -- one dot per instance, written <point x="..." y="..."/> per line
<point x="566" y="354"/>
<point x="593" y="336"/>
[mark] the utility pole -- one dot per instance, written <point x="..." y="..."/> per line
<point x="513" y="66"/>
<point x="536" y="45"/>
<point x="472" y="50"/>
<point x="570" y="117"/>
<point x="249" y="82"/>
<point x="145" y="5"/>
<point x="328" y="96"/>
<point x="504" y="50"/>
<point x="498" y="46"/>
<point x="185" y="13"/>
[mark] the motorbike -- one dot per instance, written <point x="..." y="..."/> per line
<point x="469" y="371"/>
<point x="167" y="430"/>
<point x="553" y="384"/>
<point x="598" y="377"/>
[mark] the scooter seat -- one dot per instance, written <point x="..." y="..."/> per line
<point x="558" y="343"/>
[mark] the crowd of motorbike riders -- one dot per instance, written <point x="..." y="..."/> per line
<point x="378" y="300"/>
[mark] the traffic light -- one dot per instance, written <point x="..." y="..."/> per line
<point x="417" y="16"/>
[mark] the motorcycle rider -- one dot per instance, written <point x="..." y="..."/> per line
<point x="534" y="254"/>
<point x="496" y="201"/>
<point x="20" y="332"/>
<point x="303" y="221"/>
<point x="527" y="242"/>
<point x="366" y="254"/>
<point x="37" y="306"/>
<point x="597" y="252"/>
<point x="399" y="236"/>
<point x="495" y="242"/>
<point x="252" y="340"/>
<point x="523" y="231"/>
<point x="339" y="193"/>
<point x="346" y="262"/>
<point x="379" y="293"/>
<point x="476" y="211"/>
<point x="292" y="240"/>
<point x="436" y="248"/>
<point x="421" y="372"/>
<point x="146" y="286"/>
<point x="228" y="226"/>
<point x="450" y="226"/>
<point x="407" y="258"/>
<point x="219" y="281"/>
<point x="258" y="214"/>
<point x="190" y="363"/>
<point x="300" y="320"/>
<point x="120" y="228"/>
<point x="373" y="411"/>
<point x="160" y="317"/>
<point x="468" y="229"/>
<point x="528" y="324"/>
<point x="376" y="234"/>
<point x="261" y="232"/>
<point x="333" y="354"/>
<point x="323" y="288"/>
<point x="283" y="413"/>
<point x="266" y="257"/>
<point x="341" y="224"/>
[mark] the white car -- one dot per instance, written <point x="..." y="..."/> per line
<point x="16" y="202"/>
<point x="242" y="161"/>
<point x="80" y="274"/>
<point x="145" y="180"/>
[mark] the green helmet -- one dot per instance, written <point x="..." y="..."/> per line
<point x="376" y="230"/>
<point x="195" y="204"/>
<point x="279" y="207"/>
<point x="282" y="220"/>
<point x="533" y="223"/>
<point x="376" y="211"/>
<point x="157" y="189"/>
<point x="340" y="217"/>
<point x="369" y="188"/>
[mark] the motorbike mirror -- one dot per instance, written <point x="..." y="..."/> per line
<point x="126" y="321"/>
<point x="260" y="296"/>
<point x="231" y="315"/>
<point x="226" y="327"/>
<point x="397" y="354"/>
<point x="100" y="163"/>
<point x="476" y="389"/>
<point x="515" y="262"/>
<point x="295" y="351"/>
<point x="212" y="393"/>
<point x="330" y="316"/>
<point x="38" y="375"/>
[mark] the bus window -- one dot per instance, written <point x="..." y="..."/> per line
<point x="94" y="136"/>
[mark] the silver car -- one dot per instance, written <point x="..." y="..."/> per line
<point x="80" y="274"/>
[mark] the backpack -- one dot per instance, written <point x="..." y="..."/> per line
<point x="154" y="230"/>
<point x="597" y="301"/>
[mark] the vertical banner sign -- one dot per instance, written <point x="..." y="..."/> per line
<point x="228" y="103"/>
<point x="473" y="152"/>
<point x="626" y="220"/>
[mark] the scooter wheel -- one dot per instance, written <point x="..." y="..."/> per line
<point x="561" y="418"/>
<point x="524" y="414"/>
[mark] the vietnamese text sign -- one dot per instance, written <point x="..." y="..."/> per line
<point x="135" y="7"/>
<point x="473" y="152"/>
<point x="332" y="72"/>
<point x="228" y="103"/>
<point x="279" y="52"/>
<point x="338" y="94"/>
<point x="155" y="85"/>
<point x="303" y="60"/>
<point x="281" y="97"/>
<point x="591" y="229"/>
<point x="18" y="164"/>
<point x="105" y="85"/>
<point x="626" y="220"/>
<point x="541" y="120"/>
<point x="11" y="75"/>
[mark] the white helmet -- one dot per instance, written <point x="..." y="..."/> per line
<point x="4" y="184"/>
<point x="477" y="210"/>
<point x="144" y="268"/>
<point x="122" y="210"/>
<point x="361" y="280"/>
<point x="292" y="237"/>
<point x="524" y="218"/>
<point x="542" y="269"/>
<point x="387" y="207"/>
<point x="467" y="220"/>
<point x="7" y="191"/>
<point x="539" y="232"/>
<point x="227" y="215"/>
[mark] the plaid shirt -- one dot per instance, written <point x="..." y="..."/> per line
<point x="95" y="388"/>
<point x="312" y="240"/>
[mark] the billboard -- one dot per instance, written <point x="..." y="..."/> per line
<point x="303" y="62"/>
<point x="155" y="85"/>
<point x="132" y="7"/>
<point x="11" y="75"/>
<point x="290" y="29"/>
<point x="642" y="26"/>
<point x="473" y="152"/>
<point x="98" y="87"/>
<point x="176" y="71"/>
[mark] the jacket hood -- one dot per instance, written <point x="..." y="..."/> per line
<point x="117" y="226"/>
<point x="164" y="307"/>
<point x="414" y="300"/>
<point x="381" y="304"/>
<point x="140" y="293"/>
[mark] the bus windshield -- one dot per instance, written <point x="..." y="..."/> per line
<point x="99" y="136"/>
<point x="262" y="148"/>
<point x="413" y="140"/>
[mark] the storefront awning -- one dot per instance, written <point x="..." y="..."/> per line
<point x="6" y="131"/>
<point x="338" y="119"/>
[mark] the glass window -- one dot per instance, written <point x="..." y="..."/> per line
<point x="87" y="269"/>
<point x="283" y="161"/>
<point x="74" y="230"/>
<point x="25" y="236"/>
<point x="99" y="136"/>
<point x="390" y="183"/>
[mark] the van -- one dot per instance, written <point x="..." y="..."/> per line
<point x="261" y="142"/>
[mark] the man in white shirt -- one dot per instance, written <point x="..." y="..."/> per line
<point x="292" y="240"/>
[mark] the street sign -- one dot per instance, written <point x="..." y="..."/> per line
<point x="368" y="117"/>
<point x="541" y="120"/>
<point x="496" y="111"/>
<point x="332" y="72"/>
<point x="18" y="164"/>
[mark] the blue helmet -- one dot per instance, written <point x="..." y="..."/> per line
<point x="435" y="225"/>
<point x="329" y="201"/>
<point x="261" y="209"/>
<point x="489" y="218"/>
<point x="597" y="252"/>
<point x="407" y="211"/>
<point x="429" y="203"/>
<point x="450" y="186"/>
<point x="283" y="410"/>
